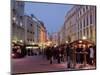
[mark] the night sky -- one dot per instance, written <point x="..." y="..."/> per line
<point x="51" y="14"/>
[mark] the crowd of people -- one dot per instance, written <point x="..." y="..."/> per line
<point x="53" y="53"/>
<point x="71" y="54"/>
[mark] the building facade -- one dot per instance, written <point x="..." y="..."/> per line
<point x="42" y="33"/>
<point x="80" y="22"/>
<point x="26" y="29"/>
<point x="61" y="35"/>
<point x="42" y="36"/>
<point x="17" y="26"/>
<point x="29" y="29"/>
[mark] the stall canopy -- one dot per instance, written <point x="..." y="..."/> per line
<point x="81" y="41"/>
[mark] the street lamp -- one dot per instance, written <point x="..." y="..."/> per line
<point x="33" y="43"/>
<point x="84" y="38"/>
<point x="21" y="41"/>
<point x="66" y="42"/>
<point x="80" y="41"/>
<point x="14" y="19"/>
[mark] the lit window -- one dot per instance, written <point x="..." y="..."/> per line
<point x="21" y="24"/>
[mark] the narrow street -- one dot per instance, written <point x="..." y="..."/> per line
<point x="33" y="64"/>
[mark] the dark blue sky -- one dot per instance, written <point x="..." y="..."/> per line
<point x="51" y="14"/>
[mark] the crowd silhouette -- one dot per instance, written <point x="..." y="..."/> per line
<point x="71" y="54"/>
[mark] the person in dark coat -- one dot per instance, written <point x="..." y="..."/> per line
<point x="62" y="54"/>
<point x="78" y="55"/>
<point x="47" y="53"/>
<point x="87" y="56"/>
<point x="69" y="56"/>
<point x="51" y="55"/>
<point x="82" y="54"/>
<point x="91" y="54"/>
<point x="59" y="55"/>
<point x="24" y="52"/>
<point x="55" y="53"/>
<point x="94" y="47"/>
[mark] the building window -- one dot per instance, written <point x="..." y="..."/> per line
<point x="84" y="22"/>
<point x="14" y="11"/>
<point x="80" y="25"/>
<point x="21" y="24"/>
<point x="31" y="25"/>
<point x="80" y="12"/>
<point x="27" y="30"/>
<point x="90" y="18"/>
<point x="21" y="17"/>
<point x="86" y="7"/>
<point x="87" y="32"/>
<point x="33" y="32"/>
<point x="87" y="20"/>
<point x="13" y="23"/>
<point x="22" y="5"/>
<point x="84" y="32"/>
<point x="91" y="32"/>
<point x="78" y="15"/>
<point x="80" y="34"/>
<point x="83" y="9"/>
